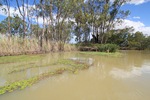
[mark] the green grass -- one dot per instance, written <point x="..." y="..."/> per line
<point x="20" y="58"/>
<point x="116" y="54"/>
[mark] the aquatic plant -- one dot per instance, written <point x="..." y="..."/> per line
<point x="71" y="66"/>
<point x="28" y="67"/>
<point x="18" y="85"/>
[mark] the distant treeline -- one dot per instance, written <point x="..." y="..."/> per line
<point x="121" y="39"/>
<point x="126" y="40"/>
<point x="57" y="21"/>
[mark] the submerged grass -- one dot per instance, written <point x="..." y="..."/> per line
<point x="21" y="58"/>
<point x="116" y="54"/>
<point x="71" y="66"/>
<point x="28" y="67"/>
<point x="62" y="62"/>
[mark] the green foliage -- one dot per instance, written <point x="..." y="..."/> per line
<point x="35" y="30"/>
<point x="85" y="44"/>
<point x="146" y="43"/>
<point x="97" y="47"/>
<point x="136" y="41"/>
<point x="127" y="40"/>
<point x="18" y="85"/>
<point x="99" y="16"/>
<point x="16" y="24"/>
<point x="119" y="37"/>
<point x="107" y="47"/>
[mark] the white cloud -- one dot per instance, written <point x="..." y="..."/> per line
<point x="13" y="10"/>
<point x="135" y="2"/>
<point x="136" y="17"/>
<point x="3" y="13"/>
<point x="137" y="25"/>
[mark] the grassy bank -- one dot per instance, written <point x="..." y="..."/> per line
<point x="19" y="46"/>
<point x="20" y="58"/>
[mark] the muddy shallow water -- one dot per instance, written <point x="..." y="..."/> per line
<point x="109" y="78"/>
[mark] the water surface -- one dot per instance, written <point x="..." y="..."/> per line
<point x="109" y="78"/>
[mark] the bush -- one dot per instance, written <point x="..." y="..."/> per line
<point x="97" y="47"/>
<point x="84" y="45"/>
<point x="135" y="45"/>
<point x="108" y="47"/>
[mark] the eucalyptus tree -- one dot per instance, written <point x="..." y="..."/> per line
<point x="55" y="14"/>
<point x="16" y="24"/>
<point x="104" y="14"/>
<point x="42" y="13"/>
<point x="63" y="12"/>
<point x="35" y="30"/>
<point x="81" y="28"/>
<point x="23" y="8"/>
<point x="121" y="37"/>
<point x="50" y="30"/>
<point x="137" y="40"/>
<point x="6" y="10"/>
<point x="39" y="12"/>
<point x="35" y="14"/>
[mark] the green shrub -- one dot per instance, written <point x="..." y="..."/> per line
<point x="99" y="47"/>
<point x="107" y="47"/>
<point x="135" y="45"/>
<point x="84" y="44"/>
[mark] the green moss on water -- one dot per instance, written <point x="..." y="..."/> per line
<point x="18" y="85"/>
<point x="71" y="66"/>
<point x="116" y="54"/>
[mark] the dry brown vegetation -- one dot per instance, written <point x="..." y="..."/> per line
<point x="17" y="46"/>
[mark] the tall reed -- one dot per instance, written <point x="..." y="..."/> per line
<point x="16" y="46"/>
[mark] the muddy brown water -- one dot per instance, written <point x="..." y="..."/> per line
<point x="108" y="78"/>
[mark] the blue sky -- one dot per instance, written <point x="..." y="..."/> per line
<point x="139" y="17"/>
<point x="140" y="12"/>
